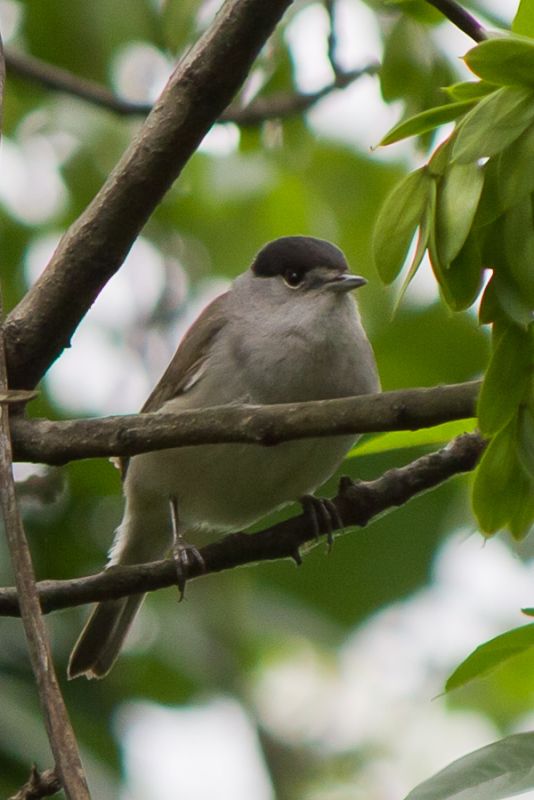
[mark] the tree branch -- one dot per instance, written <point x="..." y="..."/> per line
<point x="356" y="503"/>
<point x="53" y="77"/>
<point x="276" y="106"/>
<point x="48" y="442"/>
<point x="461" y="18"/>
<point x="201" y="86"/>
<point x="287" y="104"/>
<point x="2" y="81"/>
<point x="60" y="733"/>
<point x="330" y="8"/>
<point x="39" y="784"/>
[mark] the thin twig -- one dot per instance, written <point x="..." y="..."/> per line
<point x="60" y="733"/>
<point x="287" y="104"/>
<point x="330" y="7"/>
<point x="48" y="442"/>
<point x="461" y="18"/>
<point x="356" y="504"/>
<point x="2" y="81"/>
<point x="52" y="77"/>
<point x="38" y="785"/>
<point x="18" y="396"/>
<point x="275" y="106"/>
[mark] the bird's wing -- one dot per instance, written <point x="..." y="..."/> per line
<point x="187" y="363"/>
<point x="190" y="355"/>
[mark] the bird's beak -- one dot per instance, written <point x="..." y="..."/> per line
<point x="345" y="282"/>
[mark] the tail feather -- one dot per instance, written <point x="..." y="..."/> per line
<point x="143" y="535"/>
<point x="102" y="637"/>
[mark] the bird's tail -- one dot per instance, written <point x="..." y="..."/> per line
<point x="102" y="637"/>
<point x="142" y="536"/>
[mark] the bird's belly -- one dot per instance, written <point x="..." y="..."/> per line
<point x="230" y="486"/>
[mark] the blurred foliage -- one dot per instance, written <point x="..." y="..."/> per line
<point x="280" y="178"/>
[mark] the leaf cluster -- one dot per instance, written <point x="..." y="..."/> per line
<point x="471" y="207"/>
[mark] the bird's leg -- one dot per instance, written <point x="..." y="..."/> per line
<point x="322" y="515"/>
<point x="183" y="554"/>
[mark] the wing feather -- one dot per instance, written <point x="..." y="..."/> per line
<point x="187" y="364"/>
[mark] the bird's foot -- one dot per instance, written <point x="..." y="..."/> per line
<point x="184" y="556"/>
<point x="323" y="516"/>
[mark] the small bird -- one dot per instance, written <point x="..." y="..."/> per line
<point x="287" y="330"/>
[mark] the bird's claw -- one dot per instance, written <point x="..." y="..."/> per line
<point x="184" y="556"/>
<point x="323" y="517"/>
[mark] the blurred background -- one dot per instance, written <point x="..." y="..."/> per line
<point x="321" y="683"/>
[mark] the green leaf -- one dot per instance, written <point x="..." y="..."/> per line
<point x="491" y="654"/>
<point x="503" y="60"/>
<point x="457" y="201"/>
<point x="493" y="494"/>
<point x="516" y="169"/>
<point x="489" y="206"/>
<point x="495" y="122"/>
<point x="441" y="157"/>
<point x="524" y="19"/>
<point x="519" y="247"/>
<point x="494" y="772"/>
<point x="469" y="90"/>
<point x="422" y="243"/>
<point x="401" y="440"/>
<point x="489" y="309"/>
<point x="511" y="299"/>
<point x="426" y="121"/>
<point x="522" y="516"/>
<point x="505" y="380"/>
<point x="525" y="439"/>
<point x="397" y="221"/>
<point x="461" y="280"/>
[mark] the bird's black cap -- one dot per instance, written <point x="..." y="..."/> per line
<point x="300" y="253"/>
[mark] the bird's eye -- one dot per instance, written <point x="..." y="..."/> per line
<point x="293" y="278"/>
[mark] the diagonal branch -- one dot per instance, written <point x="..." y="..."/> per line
<point x="199" y="89"/>
<point x="48" y="442"/>
<point x="356" y="503"/>
<point x="275" y="106"/>
<point x="461" y="18"/>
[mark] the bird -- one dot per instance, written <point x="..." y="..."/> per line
<point x="287" y="330"/>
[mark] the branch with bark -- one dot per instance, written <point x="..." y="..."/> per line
<point x="59" y="730"/>
<point x="460" y="18"/>
<point x="39" y="784"/>
<point x="356" y="504"/>
<point x="60" y="733"/>
<point x="49" y="442"/>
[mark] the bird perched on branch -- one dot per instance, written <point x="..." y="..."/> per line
<point x="287" y="330"/>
